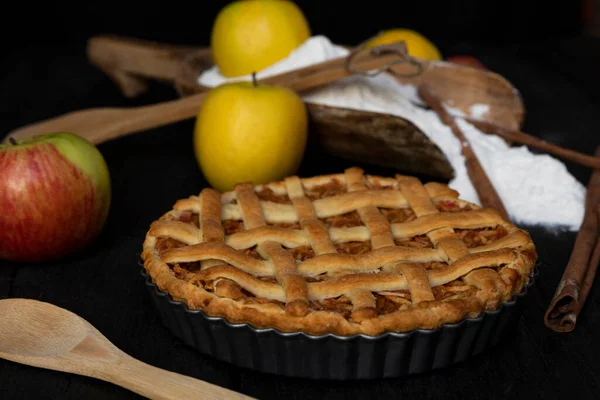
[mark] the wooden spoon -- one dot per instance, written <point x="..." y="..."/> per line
<point x="128" y="60"/>
<point x="101" y="124"/>
<point x="45" y="336"/>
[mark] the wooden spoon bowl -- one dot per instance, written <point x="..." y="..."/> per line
<point x="19" y="332"/>
<point x="45" y="336"/>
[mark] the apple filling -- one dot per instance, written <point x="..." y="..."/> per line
<point x="386" y="302"/>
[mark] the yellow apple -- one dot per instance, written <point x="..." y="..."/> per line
<point x="250" y="35"/>
<point x="418" y="45"/>
<point x="249" y="132"/>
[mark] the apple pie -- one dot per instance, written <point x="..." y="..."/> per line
<point x="345" y="254"/>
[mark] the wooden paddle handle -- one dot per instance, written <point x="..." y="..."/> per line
<point x="160" y="384"/>
<point x="122" y="370"/>
<point x="529" y="140"/>
<point x="127" y="61"/>
<point x="102" y="124"/>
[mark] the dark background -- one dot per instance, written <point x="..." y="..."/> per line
<point x="550" y="52"/>
<point x="445" y="22"/>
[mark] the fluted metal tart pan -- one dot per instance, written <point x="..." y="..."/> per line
<point x="332" y="356"/>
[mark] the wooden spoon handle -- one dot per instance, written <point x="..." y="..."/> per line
<point x="524" y="138"/>
<point x="126" y="60"/>
<point x="156" y="383"/>
<point x="98" y="125"/>
<point x="102" y="124"/>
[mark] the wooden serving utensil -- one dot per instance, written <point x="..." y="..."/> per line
<point x="128" y="60"/>
<point x="529" y="140"/>
<point x="45" y="336"/>
<point x="101" y="124"/>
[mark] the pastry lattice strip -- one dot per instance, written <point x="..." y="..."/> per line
<point x="292" y="288"/>
<point x="345" y="285"/>
<point x="282" y="262"/>
<point x="188" y="234"/>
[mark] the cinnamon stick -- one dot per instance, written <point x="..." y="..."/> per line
<point x="590" y="274"/>
<point x="524" y="138"/>
<point x="483" y="186"/>
<point x="580" y="272"/>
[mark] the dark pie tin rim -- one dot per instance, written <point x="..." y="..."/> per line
<point x="154" y="290"/>
<point x="151" y="285"/>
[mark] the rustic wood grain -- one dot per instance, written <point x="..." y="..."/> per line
<point x="129" y="60"/>
<point x="380" y="139"/>
<point x="43" y="335"/>
<point x="524" y="138"/>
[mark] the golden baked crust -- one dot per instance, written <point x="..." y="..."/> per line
<point x="326" y="255"/>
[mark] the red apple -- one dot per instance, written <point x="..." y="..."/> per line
<point x="55" y="194"/>
<point x="468" y="61"/>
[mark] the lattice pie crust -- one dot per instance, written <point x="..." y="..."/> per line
<point x="344" y="254"/>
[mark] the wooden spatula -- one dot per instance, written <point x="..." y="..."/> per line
<point x="45" y="336"/>
<point x="101" y="124"/>
<point x="128" y="60"/>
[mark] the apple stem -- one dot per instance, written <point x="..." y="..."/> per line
<point x="12" y="141"/>
<point x="254" y="79"/>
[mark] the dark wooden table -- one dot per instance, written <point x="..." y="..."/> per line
<point x="560" y="86"/>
